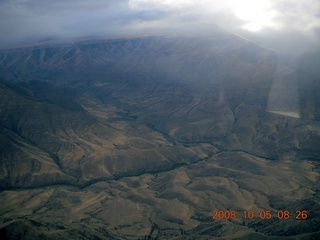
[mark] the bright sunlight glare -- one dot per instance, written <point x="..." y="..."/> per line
<point x="255" y="14"/>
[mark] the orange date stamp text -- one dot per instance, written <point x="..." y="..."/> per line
<point x="263" y="214"/>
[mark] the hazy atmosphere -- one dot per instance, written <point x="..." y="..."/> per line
<point x="292" y="24"/>
<point x="159" y="119"/>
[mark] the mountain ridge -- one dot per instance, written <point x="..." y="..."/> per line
<point x="144" y="138"/>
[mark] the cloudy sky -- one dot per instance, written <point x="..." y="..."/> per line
<point x="285" y="23"/>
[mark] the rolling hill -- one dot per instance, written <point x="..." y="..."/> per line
<point x="142" y="138"/>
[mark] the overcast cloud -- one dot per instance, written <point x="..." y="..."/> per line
<point x="286" y="22"/>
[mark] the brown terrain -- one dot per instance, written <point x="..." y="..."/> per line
<point x="142" y="138"/>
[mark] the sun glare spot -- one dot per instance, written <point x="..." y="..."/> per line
<point x="254" y="27"/>
<point x="256" y="14"/>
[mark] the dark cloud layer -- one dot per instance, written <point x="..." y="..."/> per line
<point x="272" y="21"/>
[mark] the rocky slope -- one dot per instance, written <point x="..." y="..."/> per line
<point x="145" y="137"/>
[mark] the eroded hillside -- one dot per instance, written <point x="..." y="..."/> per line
<point x="145" y="137"/>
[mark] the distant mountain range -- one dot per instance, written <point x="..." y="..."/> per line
<point x="144" y="137"/>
